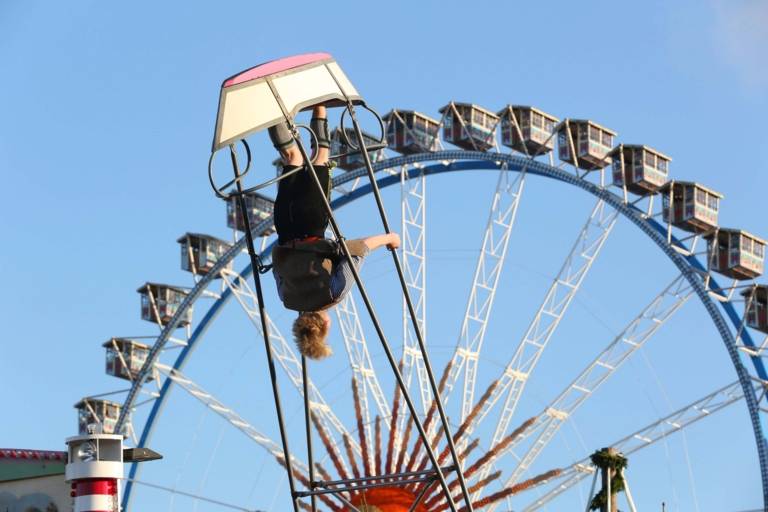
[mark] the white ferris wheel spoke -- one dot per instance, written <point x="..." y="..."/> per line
<point x="576" y="267"/>
<point x="647" y="436"/>
<point x="414" y="243"/>
<point x="288" y="360"/>
<point x="232" y="417"/>
<point x="490" y="262"/>
<point x="634" y="336"/>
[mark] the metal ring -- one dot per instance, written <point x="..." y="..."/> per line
<point x="344" y="131"/>
<point x="313" y="137"/>
<point x="219" y="191"/>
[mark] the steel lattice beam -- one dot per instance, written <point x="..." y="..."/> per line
<point x="632" y="338"/>
<point x="490" y="262"/>
<point x="225" y="412"/>
<point x="648" y="435"/>
<point x="576" y="267"/>
<point x="414" y="243"/>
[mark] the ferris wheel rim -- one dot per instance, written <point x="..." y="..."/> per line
<point x="463" y="160"/>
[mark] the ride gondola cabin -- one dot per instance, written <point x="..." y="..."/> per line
<point x="409" y="132"/>
<point x="756" y="304"/>
<point x="527" y="129"/>
<point x="736" y="253"/>
<point x="690" y="206"/>
<point x="590" y="142"/>
<point x="199" y="253"/>
<point x="259" y="207"/>
<point x="97" y="411"/>
<point x="160" y="302"/>
<point x="125" y="357"/>
<point x="469" y="126"/>
<point x="641" y="169"/>
<point x="348" y="157"/>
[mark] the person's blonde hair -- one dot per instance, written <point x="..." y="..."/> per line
<point x="310" y="332"/>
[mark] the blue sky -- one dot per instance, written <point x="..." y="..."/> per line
<point x="108" y="113"/>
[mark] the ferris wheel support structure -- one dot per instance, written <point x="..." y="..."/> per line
<point x="718" y="307"/>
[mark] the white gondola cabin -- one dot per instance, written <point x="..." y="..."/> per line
<point x="409" y="132"/>
<point x="160" y="302"/>
<point x="97" y="411"/>
<point x="641" y="169"/>
<point x="125" y="357"/>
<point x="259" y="207"/>
<point x="736" y="253"/>
<point x="348" y="157"/>
<point x="756" y="304"/>
<point x="590" y="142"/>
<point x="469" y="126"/>
<point x="199" y="253"/>
<point x="527" y="129"/>
<point x="690" y="206"/>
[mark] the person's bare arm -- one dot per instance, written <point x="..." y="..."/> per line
<point x="391" y="240"/>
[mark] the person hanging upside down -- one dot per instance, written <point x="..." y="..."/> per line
<point x="311" y="272"/>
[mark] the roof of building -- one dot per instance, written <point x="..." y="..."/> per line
<point x="17" y="464"/>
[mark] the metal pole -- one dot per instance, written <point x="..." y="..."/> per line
<point x="264" y="328"/>
<point x="374" y="318"/>
<point x="420" y="496"/>
<point x="630" y="501"/>
<point x="310" y="458"/>
<point x="412" y="312"/>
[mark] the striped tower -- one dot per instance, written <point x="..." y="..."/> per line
<point x="95" y="495"/>
<point x="95" y="463"/>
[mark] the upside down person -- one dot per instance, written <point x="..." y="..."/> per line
<point x="311" y="272"/>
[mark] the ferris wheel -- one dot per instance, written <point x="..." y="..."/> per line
<point x="504" y="436"/>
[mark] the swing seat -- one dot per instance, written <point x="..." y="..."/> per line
<point x="263" y="96"/>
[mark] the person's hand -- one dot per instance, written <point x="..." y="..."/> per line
<point x="394" y="241"/>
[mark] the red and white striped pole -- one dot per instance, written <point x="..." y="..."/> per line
<point x="95" y="495"/>
<point x="94" y="466"/>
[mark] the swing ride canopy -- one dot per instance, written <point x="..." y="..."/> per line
<point x="265" y="95"/>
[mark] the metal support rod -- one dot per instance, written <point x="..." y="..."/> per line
<point x="380" y="477"/>
<point x="374" y="318"/>
<point x="628" y="494"/>
<point x="363" y="487"/>
<point x="310" y="456"/>
<point x="414" y="319"/>
<point x="264" y="328"/>
<point x="421" y="495"/>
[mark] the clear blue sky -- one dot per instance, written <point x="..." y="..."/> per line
<point x="107" y="114"/>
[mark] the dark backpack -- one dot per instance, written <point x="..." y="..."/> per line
<point x="305" y="269"/>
